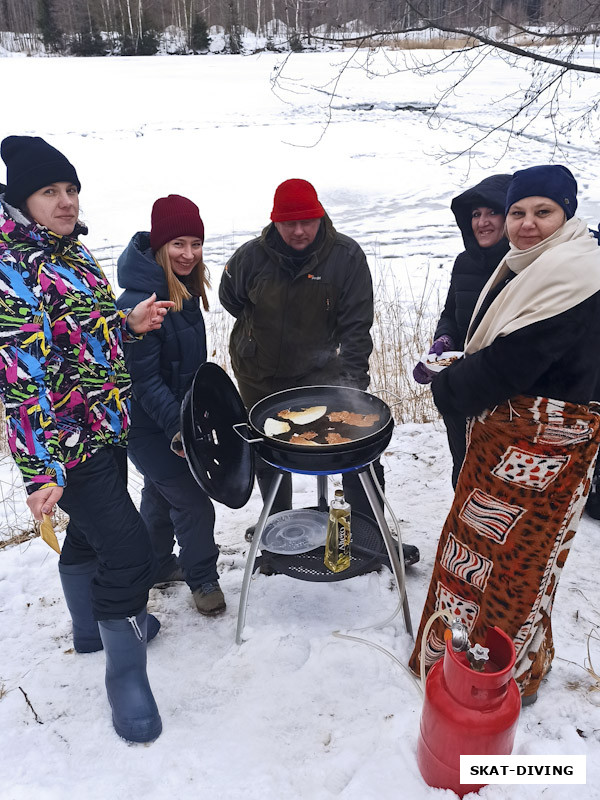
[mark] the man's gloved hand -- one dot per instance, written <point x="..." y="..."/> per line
<point x="423" y="375"/>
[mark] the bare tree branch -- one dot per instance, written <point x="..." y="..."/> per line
<point x="35" y="716"/>
<point x="468" y="33"/>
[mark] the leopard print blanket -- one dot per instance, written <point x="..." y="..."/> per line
<point x="518" y="502"/>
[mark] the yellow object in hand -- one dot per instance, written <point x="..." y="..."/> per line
<point x="47" y="533"/>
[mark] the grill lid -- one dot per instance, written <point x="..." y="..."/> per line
<point x="220" y="460"/>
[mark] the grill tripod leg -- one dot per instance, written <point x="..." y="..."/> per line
<point x="258" y="532"/>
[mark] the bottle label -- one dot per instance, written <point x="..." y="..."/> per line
<point x="343" y="533"/>
<point x="337" y="548"/>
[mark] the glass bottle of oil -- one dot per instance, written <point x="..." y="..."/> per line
<point x="337" y="544"/>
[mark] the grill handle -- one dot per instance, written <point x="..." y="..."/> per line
<point x="238" y="425"/>
<point x="387" y="391"/>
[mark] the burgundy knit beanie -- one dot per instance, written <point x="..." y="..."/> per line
<point x="174" y="216"/>
<point x="296" y="199"/>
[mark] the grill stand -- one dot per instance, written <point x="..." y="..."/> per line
<point x="396" y="562"/>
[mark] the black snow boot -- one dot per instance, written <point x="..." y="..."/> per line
<point x="134" y="711"/>
<point x="76" y="582"/>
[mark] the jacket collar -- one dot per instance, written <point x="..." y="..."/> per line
<point x="138" y="270"/>
<point x="16" y="227"/>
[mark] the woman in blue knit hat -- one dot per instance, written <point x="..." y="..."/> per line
<point x="525" y="384"/>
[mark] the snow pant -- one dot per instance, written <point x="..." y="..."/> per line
<point x="105" y="527"/>
<point x="456" y="429"/>
<point x="173" y="507"/>
<point x="353" y="490"/>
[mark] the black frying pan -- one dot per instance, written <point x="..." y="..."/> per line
<point x="366" y="445"/>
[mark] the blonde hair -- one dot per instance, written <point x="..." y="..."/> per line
<point x="178" y="292"/>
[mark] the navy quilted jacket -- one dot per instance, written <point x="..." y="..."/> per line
<point x="163" y="364"/>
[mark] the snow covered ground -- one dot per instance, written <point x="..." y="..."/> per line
<point x="293" y="712"/>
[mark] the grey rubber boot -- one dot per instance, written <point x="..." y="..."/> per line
<point x="134" y="712"/>
<point x="76" y="582"/>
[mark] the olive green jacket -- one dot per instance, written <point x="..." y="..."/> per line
<point x="291" y="329"/>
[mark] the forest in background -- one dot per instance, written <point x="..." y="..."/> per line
<point x="145" y="27"/>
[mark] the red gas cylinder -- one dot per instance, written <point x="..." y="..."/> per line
<point x="466" y="712"/>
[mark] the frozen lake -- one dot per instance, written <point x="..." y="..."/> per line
<point x="217" y="130"/>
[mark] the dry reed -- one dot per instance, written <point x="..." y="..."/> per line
<point x="403" y="328"/>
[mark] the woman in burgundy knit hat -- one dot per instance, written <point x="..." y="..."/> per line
<point x="168" y="261"/>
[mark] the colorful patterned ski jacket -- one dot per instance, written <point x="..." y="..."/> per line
<point x="63" y="380"/>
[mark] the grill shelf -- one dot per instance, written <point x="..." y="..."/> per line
<point x="367" y="554"/>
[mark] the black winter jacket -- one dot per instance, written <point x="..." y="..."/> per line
<point x="293" y="326"/>
<point x="163" y="364"/>
<point x="556" y="358"/>
<point x="474" y="266"/>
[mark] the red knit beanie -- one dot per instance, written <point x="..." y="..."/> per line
<point x="296" y="199"/>
<point x="174" y="216"/>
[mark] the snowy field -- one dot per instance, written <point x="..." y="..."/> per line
<point x="293" y="713"/>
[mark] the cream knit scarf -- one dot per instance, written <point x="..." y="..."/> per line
<point x="551" y="277"/>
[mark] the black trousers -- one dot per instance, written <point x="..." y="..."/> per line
<point x="456" y="428"/>
<point x="104" y="526"/>
<point x="173" y="507"/>
<point x="176" y="507"/>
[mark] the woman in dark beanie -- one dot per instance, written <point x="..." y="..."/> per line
<point x="526" y="383"/>
<point x="168" y="262"/>
<point x="479" y="214"/>
<point x="65" y="389"/>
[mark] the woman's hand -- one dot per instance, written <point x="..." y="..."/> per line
<point x="441" y="345"/>
<point x="148" y="315"/>
<point x="43" y="501"/>
<point x="423" y="375"/>
<point x="177" y="445"/>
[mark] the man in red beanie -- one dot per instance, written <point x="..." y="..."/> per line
<point x="302" y="297"/>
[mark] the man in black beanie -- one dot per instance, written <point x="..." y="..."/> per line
<point x="32" y="163"/>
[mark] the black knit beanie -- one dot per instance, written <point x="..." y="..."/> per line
<point x="32" y="163"/>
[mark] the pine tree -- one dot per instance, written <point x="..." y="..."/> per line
<point x="148" y="43"/>
<point x="199" y="38"/>
<point x="51" y="34"/>
<point x="88" y="44"/>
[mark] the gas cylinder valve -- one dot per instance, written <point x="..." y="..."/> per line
<point x="478" y="657"/>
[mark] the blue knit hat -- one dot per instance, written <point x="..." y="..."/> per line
<point x="549" y="180"/>
<point x="31" y="164"/>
